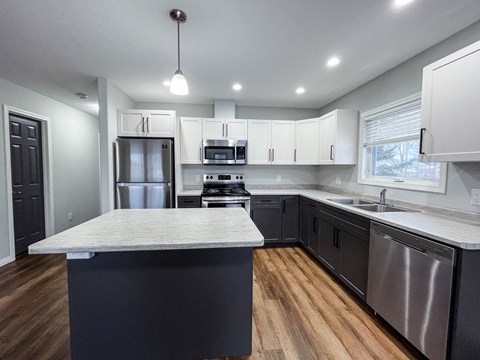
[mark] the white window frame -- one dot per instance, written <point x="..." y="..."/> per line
<point x="393" y="182"/>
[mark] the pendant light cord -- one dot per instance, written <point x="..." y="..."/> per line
<point x="178" y="43"/>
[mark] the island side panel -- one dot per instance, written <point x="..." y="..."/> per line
<point x="170" y="304"/>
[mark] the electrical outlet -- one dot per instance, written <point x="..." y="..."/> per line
<point x="197" y="178"/>
<point x="279" y="178"/>
<point x="475" y="198"/>
<point x="70" y="216"/>
<point x="338" y="180"/>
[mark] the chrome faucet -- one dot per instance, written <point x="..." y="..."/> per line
<point x="382" y="197"/>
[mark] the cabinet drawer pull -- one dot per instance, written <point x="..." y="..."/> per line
<point x="295" y="155"/>
<point x="143" y="124"/>
<point x="331" y="152"/>
<point x="420" y="147"/>
<point x="148" y="125"/>
<point x="311" y="205"/>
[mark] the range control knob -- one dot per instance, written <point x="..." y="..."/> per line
<point x="237" y="177"/>
<point x="211" y="177"/>
<point x="241" y="177"/>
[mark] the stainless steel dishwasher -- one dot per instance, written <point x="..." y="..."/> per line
<point x="409" y="285"/>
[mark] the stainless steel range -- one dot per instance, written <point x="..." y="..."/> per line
<point x="225" y="190"/>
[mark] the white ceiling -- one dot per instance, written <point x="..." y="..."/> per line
<point x="59" y="47"/>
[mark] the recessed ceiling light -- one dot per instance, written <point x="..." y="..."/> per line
<point x="300" y="90"/>
<point x="237" y="87"/>
<point x="333" y="61"/>
<point x="401" y="3"/>
<point x="166" y="83"/>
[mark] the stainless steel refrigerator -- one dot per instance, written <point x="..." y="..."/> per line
<point x="144" y="173"/>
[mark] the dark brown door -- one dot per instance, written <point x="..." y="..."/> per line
<point x="27" y="182"/>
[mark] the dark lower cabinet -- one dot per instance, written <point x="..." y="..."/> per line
<point x="290" y="219"/>
<point x="266" y="213"/>
<point x="328" y="243"/>
<point x="276" y="217"/>
<point x="339" y="240"/>
<point x="189" y="202"/>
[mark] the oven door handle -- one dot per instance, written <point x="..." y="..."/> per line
<point x="225" y="201"/>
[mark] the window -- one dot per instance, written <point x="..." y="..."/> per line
<point x="389" y="153"/>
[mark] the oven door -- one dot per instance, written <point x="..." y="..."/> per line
<point x="227" y="202"/>
<point x="221" y="152"/>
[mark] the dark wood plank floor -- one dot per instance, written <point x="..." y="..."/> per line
<point x="299" y="312"/>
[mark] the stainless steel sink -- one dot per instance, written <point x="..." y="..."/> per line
<point x="382" y="208"/>
<point x="352" y="202"/>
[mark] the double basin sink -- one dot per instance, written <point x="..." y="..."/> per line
<point x="370" y="205"/>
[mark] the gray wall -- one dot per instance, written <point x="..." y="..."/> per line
<point x="402" y="81"/>
<point x="110" y="99"/>
<point x="242" y="112"/>
<point x="75" y="159"/>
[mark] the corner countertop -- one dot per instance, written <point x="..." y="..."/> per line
<point x="156" y="229"/>
<point x="441" y="228"/>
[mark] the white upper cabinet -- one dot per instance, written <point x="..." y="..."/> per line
<point x="306" y="142"/>
<point x="232" y="129"/>
<point x="146" y="123"/>
<point x="338" y="134"/>
<point x="271" y="142"/>
<point x="451" y="107"/>
<point x="191" y="140"/>
<point x="259" y="144"/>
<point x="283" y="142"/>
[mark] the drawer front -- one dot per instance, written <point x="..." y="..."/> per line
<point x="266" y="201"/>
<point x="189" y="202"/>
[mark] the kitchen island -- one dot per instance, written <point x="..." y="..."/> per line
<point x="159" y="283"/>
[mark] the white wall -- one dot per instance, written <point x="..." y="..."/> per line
<point x="255" y="174"/>
<point x="402" y="81"/>
<point x="74" y="137"/>
<point x="110" y="99"/>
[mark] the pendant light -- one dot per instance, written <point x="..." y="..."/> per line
<point x="178" y="85"/>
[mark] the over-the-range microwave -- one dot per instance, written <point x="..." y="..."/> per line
<point x="224" y="152"/>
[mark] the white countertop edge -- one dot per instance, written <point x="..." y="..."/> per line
<point x="145" y="247"/>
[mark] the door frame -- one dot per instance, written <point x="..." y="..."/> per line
<point x="47" y="174"/>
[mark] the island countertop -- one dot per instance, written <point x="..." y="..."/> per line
<point x="156" y="229"/>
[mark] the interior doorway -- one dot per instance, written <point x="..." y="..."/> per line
<point x="29" y="185"/>
<point x="28" y="196"/>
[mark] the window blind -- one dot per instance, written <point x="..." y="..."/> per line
<point x="394" y="125"/>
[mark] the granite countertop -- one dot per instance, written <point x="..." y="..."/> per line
<point x="446" y="230"/>
<point x="156" y="229"/>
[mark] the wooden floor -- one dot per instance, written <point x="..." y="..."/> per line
<point x="299" y="312"/>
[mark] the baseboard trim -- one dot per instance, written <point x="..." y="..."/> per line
<point x="6" y="260"/>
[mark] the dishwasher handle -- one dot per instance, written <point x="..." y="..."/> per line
<point x="388" y="237"/>
<point x="436" y="250"/>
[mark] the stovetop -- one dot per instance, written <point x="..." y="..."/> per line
<point x="224" y="185"/>
<point x="225" y="191"/>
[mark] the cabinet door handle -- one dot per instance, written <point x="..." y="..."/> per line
<point x="273" y="155"/>
<point x="284" y="206"/>
<point x="315" y="225"/>
<point x="200" y="154"/>
<point x="143" y="124"/>
<point x="226" y="130"/>
<point x="148" y="125"/>
<point x="331" y="152"/>
<point x="295" y="155"/>
<point x="311" y="205"/>
<point x="269" y="155"/>
<point x="335" y="237"/>
<point x="420" y="147"/>
<point x="223" y="130"/>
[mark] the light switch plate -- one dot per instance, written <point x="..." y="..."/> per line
<point x="475" y="197"/>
